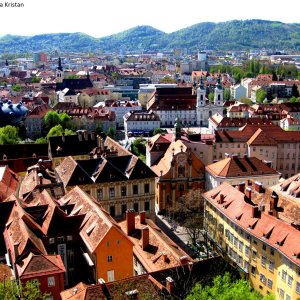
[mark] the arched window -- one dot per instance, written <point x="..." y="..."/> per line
<point x="201" y="97"/>
<point x="219" y="97"/>
<point x="181" y="171"/>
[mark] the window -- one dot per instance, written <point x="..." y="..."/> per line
<point x="269" y="283"/>
<point x="135" y="189"/>
<point x="136" y="207"/>
<point x="109" y="258"/>
<point x="262" y="278"/>
<point x="287" y="297"/>
<point x="272" y="251"/>
<point x="264" y="247"/>
<point x="123" y="191"/>
<point x="111" y="192"/>
<point x="147" y="206"/>
<point x="281" y="293"/>
<point x="263" y="261"/>
<point x="254" y="254"/>
<point x="181" y="187"/>
<point x="247" y="251"/>
<point x="241" y="246"/>
<point x="253" y="270"/>
<point x="99" y="194"/>
<point x="181" y="171"/>
<point x="298" y="287"/>
<point x="51" y="281"/>
<point x="146" y="188"/>
<point x="290" y="280"/>
<point x="112" y="211"/>
<point x="283" y="276"/>
<point x="271" y="266"/>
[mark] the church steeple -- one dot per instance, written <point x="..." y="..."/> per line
<point x="59" y="72"/>
<point x="201" y="94"/>
<point x="218" y="98"/>
<point x="177" y="126"/>
<point x="60" y="68"/>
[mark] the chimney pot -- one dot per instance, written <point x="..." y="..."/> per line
<point x="241" y="186"/>
<point x="170" y="285"/>
<point x="145" y="237"/>
<point x="130" y="220"/>
<point x="143" y="217"/>
<point x="258" y="186"/>
<point x="248" y="192"/>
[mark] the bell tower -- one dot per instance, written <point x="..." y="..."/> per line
<point x="201" y="94"/>
<point x="59" y="72"/>
<point x="218" y="97"/>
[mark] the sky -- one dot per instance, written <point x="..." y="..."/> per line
<point x="100" y="18"/>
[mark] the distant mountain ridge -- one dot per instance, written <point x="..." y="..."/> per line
<point x="230" y="35"/>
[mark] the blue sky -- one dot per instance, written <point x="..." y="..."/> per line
<point x="104" y="17"/>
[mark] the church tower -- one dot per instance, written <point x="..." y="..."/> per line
<point x="59" y="72"/>
<point x="177" y="127"/>
<point x="218" y="98"/>
<point x="201" y="94"/>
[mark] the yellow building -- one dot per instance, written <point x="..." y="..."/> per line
<point x="255" y="238"/>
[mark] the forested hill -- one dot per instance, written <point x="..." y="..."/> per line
<point x="231" y="35"/>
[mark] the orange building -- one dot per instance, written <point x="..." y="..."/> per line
<point x="179" y="170"/>
<point x="107" y="250"/>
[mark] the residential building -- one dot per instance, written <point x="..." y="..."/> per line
<point x="266" y="142"/>
<point x="290" y="124"/>
<point x="117" y="179"/>
<point x="238" y="91"/>
<point x="258" y="236"/>
<point x="140" y="122"/>
<point x="235" y="170"/>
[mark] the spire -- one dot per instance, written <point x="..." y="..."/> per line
<point x="177" y="126"/>
<point x="59" y="65"/>
<point x="6" y="63"/>
<point x="88" y="74"/>
<point x="201" y="85"/>
<point x="219" y="84"/>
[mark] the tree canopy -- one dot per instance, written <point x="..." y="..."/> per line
<point x="226" y="288"/>
<point x="9" y="135"/>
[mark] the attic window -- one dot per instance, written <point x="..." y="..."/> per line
<point x="133" y="294"/>
<point x="91" y="228"/>
<point x="76" y="211"/>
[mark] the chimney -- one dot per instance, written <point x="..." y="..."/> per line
<point x="164" y="256"/>
<point x="40" y="175"/>
<point x="221" y="200"/>
<point x="143" y="217"/>
<point x="258" y="187"/>
<point x="248" y="192"/>
<point x="145" y="237"/>
<point x="170" y="285"/>
<point x="85" y="135"/>
<point x="130" y="220"/>
<point x="241" y="186"/>
<point x="183" y="260"/>
<point x="93" y="135"/>
<point x="254" y="212"/>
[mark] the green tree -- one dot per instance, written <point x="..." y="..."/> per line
<point x="245" y="100"/>
<point x="16" y="88"/>
<point x="211" y="97"/>
<point x="295" y="91"/>
<point x="227" y="94"/>
<point x="41" y="140"/>
<point x="139" y="146"/>
<point x="59" y="131"/>
<point x="64" y="120"/>
<point x="14" y="290"/>
<point x="9" y="135"/>
<point x="226" y="288"/>
<point x="111" y="132"/>
<point x="35" y="79"/>
<point x="51" y="119"/>
<point x="260" y="95"/>
<point x="157" y="130"/>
